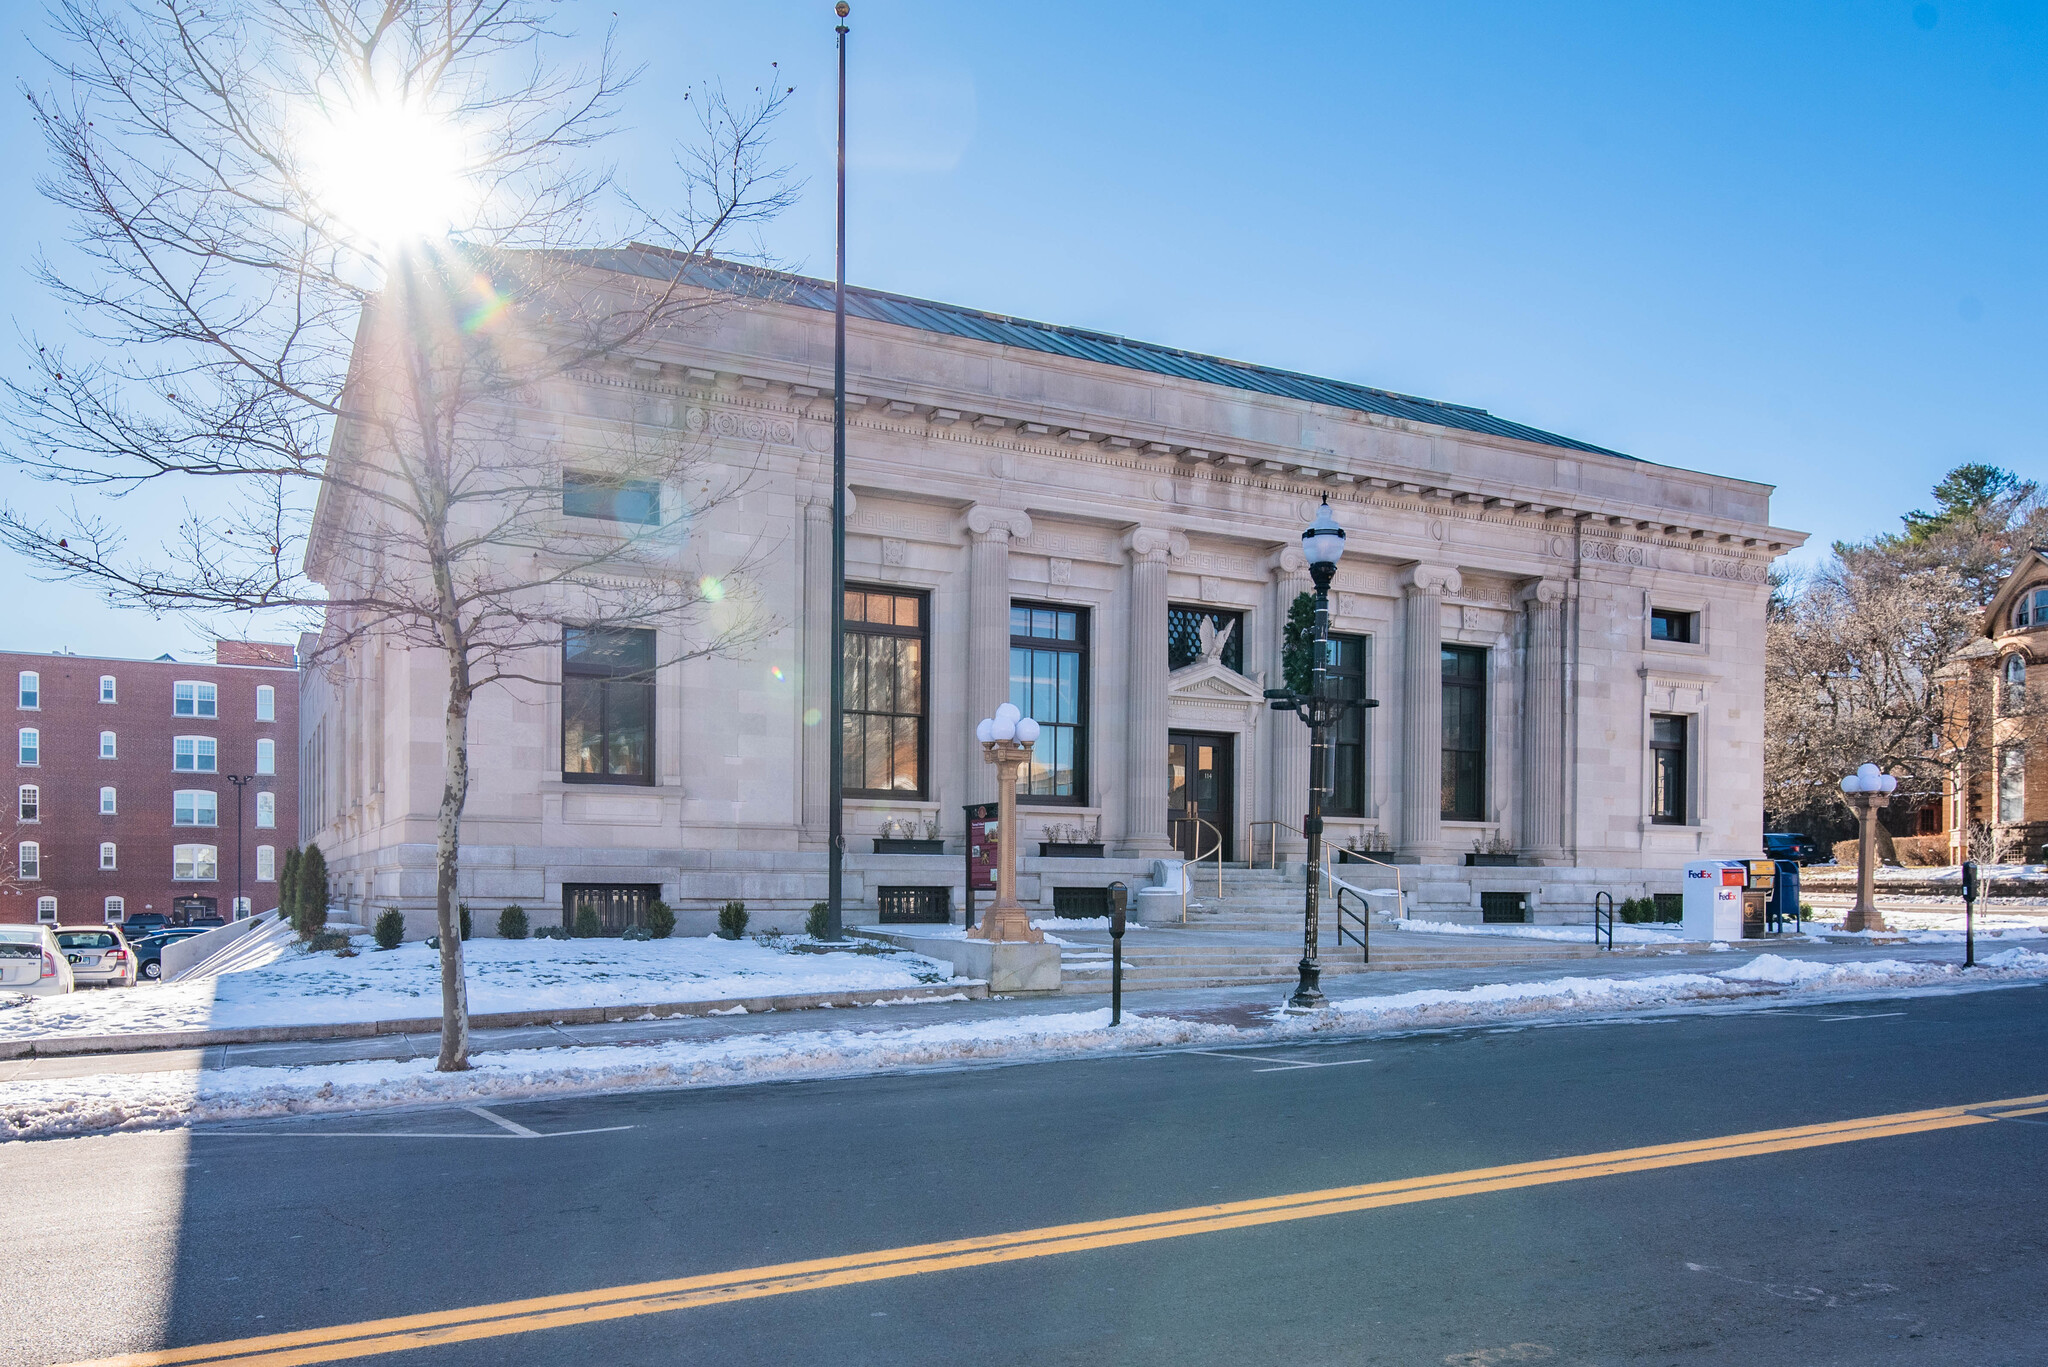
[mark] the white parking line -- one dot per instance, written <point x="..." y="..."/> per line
<point x="1866" y="1016"/>
<point x="1283" y="1065"/>
<point x="497" y="1119"/>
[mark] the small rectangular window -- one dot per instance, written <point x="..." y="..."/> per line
<point x="117" y="907"/>
<point x="266" y="703"/>
<point x="29" y="747"/>
<point x="108" y="748"/>
<point x="194" y="863"/>
<point x="266" y="863"/>
<point x="266" y="811"/>
<point x="31" y="802"/>
<point x="29" y="860"/>
<point x="194" y="700"/>
<point x="1667" y="624"/>
<point x="266" y="756"/>
<point x="46" y="910"/>
<point x="194" y="807"/>
<point x="107" y="695"/>
<point x="107" y="856"/>
<point x="194" y="755"/>
<point x="1667" y="770"/>
<point x="31" y="689"/>
<point x="611" y="500"/>
<point x="107" y="806"/>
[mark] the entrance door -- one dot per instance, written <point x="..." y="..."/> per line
<point x="1199" y="783"/>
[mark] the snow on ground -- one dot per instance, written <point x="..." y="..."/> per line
<point x="42" y="1108"/>
<point x="1081" y="923"/>
<point x="295" y="987"/>
<point x="1623" y="932"/>
<point x="1937" y="927"/>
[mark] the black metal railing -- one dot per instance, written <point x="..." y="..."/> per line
<point x="1362" y="914"/>
<point x="1603" y="914"/>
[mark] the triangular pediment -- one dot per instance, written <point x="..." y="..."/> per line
<point x="1213" y="679"/>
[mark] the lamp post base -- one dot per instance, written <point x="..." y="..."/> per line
<point x="1308" y="993"/>
<point x="1007" y="924"/>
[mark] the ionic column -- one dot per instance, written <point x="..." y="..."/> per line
<point x="989" y="531"/>
<point x="1422" y="709"/>
<point x="816" y="698"/>
<point x="1288" y="737"/>
<point x="1145" y="832"/>
<point x="1541" y="762"/>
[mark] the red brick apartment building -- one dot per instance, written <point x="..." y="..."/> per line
<point x="123" y="800"/>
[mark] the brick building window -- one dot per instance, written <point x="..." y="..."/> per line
<point x="266" y="703"/>
<point x="194" y="700"/>
<point x="107" y="804"/>
<point x="195" y="755"/>
<point x="31" y="694"/>
<point x="266" y="756"/>
<point x="29" y="747"/>
<point x="109" y="747"/>
<point x="195" y="863"/>
<point x="28" y="860"/>
<point x="46" y="910"/>
<point x="2012" y="785"/>
<point x="266" y="811"/>
<point x="194" y="807"/>
<point x="116" y="908"/>
<point x="109" y="857"/>
<point x="31" y="806"/>
<point x="107" y="695"/>
<point x="266" y="863"/>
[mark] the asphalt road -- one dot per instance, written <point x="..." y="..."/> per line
<point x="1923" y="1248"/>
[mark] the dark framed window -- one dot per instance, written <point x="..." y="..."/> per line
<point x="887" y="636"/>
<point x="617" y="905"/>
<point x="1349" y="672"/>
<point x="1464" y="780"/>
<point x="1667" y="770"/>
<point x="1184" y="636"/>
<point x="607" y="705"/>
<point x="1668" y="624"/>
<point x="1049" y="683"/>
<point x="1511" y="908"/>
<point x="611" y="500"/>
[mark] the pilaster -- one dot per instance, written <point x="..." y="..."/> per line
<point x="1145" y="786"/>
<point x="1422" y="707"/>
<point x="1540" y="762"/>
<point x="1287" y="737"/>
<point x="816" y="721"/>
<point x="989" y="532"/>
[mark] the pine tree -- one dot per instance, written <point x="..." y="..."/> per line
<point x="288" y="886"/>
<point x="311" y="897"/>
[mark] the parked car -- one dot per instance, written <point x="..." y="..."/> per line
<point x="141" y="923"/>
<point x="31" y="962"/>
<point x="1793" y="845"/>
<point x="99" y="955"/>
<point x="149" y="950"/>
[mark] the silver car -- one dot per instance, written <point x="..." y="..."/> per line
<point x="99" y="955"/>
<point x="31" y="962"/>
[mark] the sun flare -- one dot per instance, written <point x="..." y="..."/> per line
<point x="390" y="172"/>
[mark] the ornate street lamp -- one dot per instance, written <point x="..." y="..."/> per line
<point x="1006" y="741"/>
<point x="1867" y="791"/>
<point x="1323" y="544"/>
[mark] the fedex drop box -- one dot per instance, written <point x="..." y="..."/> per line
<point x="1713" y="899"/>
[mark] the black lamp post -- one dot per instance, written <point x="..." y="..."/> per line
<point x="241" y="781"/>
<point x="835" y="740"/>
<point x="1323" y="543"/>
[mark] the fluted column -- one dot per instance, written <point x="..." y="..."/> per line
<point x="989" y="531"/>
<point x="1145" y="832"/>
<point x="1542" y="726"/>
<point x="1287" y="737"/>
<point x="1422" y="709"/>
<point x="817" y="679"/>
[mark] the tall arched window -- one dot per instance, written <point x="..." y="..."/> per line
<point x="2014" y="694"/>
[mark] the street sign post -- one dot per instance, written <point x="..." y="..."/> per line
<point x="1969" y="913"/>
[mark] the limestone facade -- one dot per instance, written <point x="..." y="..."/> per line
<point x="985" y="476"/>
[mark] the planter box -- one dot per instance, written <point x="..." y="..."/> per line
<point x="886" y="846"/>
<point x="1064" y="849"/>
<point x="1345" y="856"/>
<point x="1491" y="861"/>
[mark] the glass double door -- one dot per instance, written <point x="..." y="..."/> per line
<point x="1199" y="785"/>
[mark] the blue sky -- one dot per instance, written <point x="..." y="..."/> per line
<point x="1793" y="242"/>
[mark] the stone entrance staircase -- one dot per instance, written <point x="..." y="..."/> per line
<point x="1251" y="933"/>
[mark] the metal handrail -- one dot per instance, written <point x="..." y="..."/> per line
<point x="1364" y="919"/>
<point x="1215" y="850"/>
<point x="1599" y="914"/>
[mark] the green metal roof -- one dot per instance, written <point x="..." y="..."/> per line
<point x="1003" y="330"/>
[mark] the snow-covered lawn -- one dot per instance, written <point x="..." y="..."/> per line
<point x="1937" y="927"/>
<point x="76" y="1105"/>
<point x="295" y="987"/>
<point x="1624" y="934"/>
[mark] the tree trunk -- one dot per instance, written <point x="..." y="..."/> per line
<point x="448" y="852"/>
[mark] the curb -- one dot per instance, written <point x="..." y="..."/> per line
<point x="58" y="1046"/>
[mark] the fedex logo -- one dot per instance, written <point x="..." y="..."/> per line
<point x="1700" y="873"/>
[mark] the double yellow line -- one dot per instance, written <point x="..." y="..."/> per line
<point x="373" y="1337"/>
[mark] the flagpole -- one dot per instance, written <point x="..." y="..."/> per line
<point x="835" y="739"/>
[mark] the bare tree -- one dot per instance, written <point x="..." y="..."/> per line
<point x="334" y="250"/>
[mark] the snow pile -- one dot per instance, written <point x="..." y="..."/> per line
<point x="295" y="987"/>
<point x="1081" y="923"/>
<point x="1623" y="933"/>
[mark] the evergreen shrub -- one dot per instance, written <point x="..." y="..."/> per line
<point x="390" y="928"/>
<point x="661" y="920"/>
<point x="587" y="927"/>
<point x="512" y="923"/>
<point x="732" y="920"/>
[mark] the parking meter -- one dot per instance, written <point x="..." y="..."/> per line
<point x="1119" y="901"/>
<point x="1969" y="913"/>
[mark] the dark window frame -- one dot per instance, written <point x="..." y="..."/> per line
<point x="1180" y="644"/>
<point x="637" y="676"/>
<point x="1670" y="771"/>
<point x="1472" y="682"/>
<point x="1080" y="646"/>
<point x="1353" y="731"/>
<point x="604" y="498"/>
<point x="1688" y="624"/>
<point x="922" y="634"/>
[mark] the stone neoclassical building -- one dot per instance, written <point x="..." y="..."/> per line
<point x="1565" y="642"/>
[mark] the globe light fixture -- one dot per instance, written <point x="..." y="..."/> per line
<point x="1323" y="541"/>
<point x="1868" y="790"/>
<point x="1006" y="740"/>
